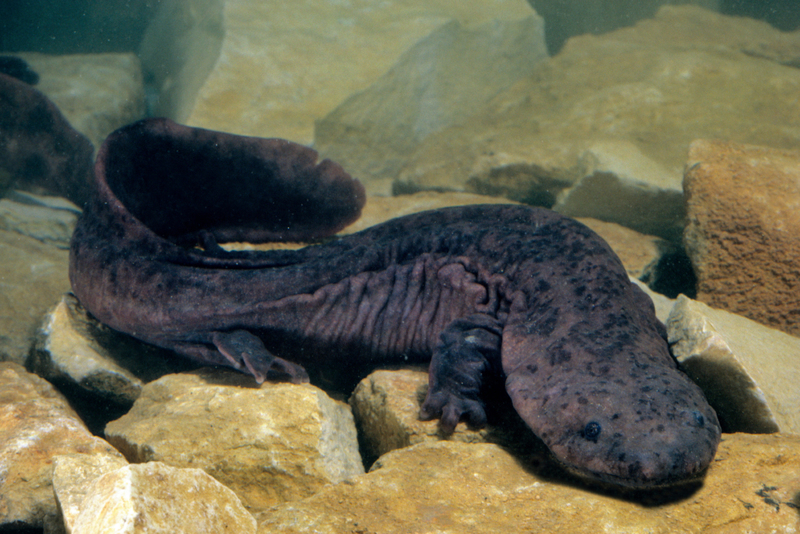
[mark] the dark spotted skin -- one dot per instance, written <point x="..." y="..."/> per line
<point x="485" y="292"/>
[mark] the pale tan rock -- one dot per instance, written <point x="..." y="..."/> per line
<point x="439" y="82"/>
<point x="278" y="66"/>
<point x="30" y="215"/>
<point x="73" y="476"/>
<point x="662" y="304"/>
<point x="97" y="93"/>
<point x="65" y="350"/>
<point x="34" y="276"/>
<point x="627" y="103"/>
<point x="749" y="372"/>
<point x="155" y="497"/>
<point x="743" y="230"/>
<point x="36" y="425"/>
<point x="386" y="409"/>
<point x="752" y="486"/>
<point x="269" y="444"/>
<point x="73" y="348"/>
<point x="619" y="183"/>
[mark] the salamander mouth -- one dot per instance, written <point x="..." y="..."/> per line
<point x="634" y="482"/>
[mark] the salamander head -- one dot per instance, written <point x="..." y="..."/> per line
<point x="636" y="435"/>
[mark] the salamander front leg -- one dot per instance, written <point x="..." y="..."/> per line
<point x="246" y="351"/>
<point x="469" y="348"/>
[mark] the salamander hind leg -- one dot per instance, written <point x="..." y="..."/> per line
<point x="467" y="353"/>
<point x="247" y="352"/>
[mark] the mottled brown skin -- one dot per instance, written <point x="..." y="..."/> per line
<point x="513" y="293"/>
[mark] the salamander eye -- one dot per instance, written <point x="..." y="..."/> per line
<point x="591" y="431"/>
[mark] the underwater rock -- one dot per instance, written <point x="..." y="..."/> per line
<point x="438" y="82"/>
<point x="97" y="93"/>
<point x="73" y="475"/>
<point x="155" y="497"/>
<point x="35" y="216"/>
<point x="655" y="87"/>
<point x="269" y="444"/>
<point x="74" y="350"/>
<point x="662" y="303"/>
<point x="39" y="147"/>
<point x="36" y="425"/>
<point x="239" y="55"/>
<point x="34" y="277"/>
<point x="752" y="486"/>
<point x="749" y="372"/>
<point x="386" y="410"/>
<point x="18" y="68"/>
<point x="743" y="230"/>
<point x="565" y="18"/>
<point x="619" y="183"/>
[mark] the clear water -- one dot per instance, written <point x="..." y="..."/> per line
<point x="485" y="101"/>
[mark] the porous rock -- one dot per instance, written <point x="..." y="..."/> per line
<point x="749" y="372"/>
<point x="240" y="55"/>
<point x="752" y="486"/>
<point x="269" y="444"/>
<point x="36" y="425"/>
<point x="743" y="230"/>
<point x="34" y="277"/>
<point x="155" y="497"/>
<point x="614" y="115"/>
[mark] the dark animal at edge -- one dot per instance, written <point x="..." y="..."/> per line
<point x="514" y="293"/>
<point x="18" y="68"/>
<point x="38" y="147"/>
